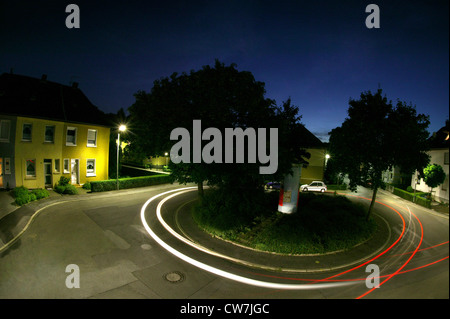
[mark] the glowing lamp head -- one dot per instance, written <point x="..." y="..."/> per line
<point x="122" y="128"/>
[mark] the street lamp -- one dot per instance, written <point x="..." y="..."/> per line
<point x="327" y="157"/>
<point x="122" y="128"/>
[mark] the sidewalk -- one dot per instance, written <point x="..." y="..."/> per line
<point x="14" y="219"/>
<point x="7" y="204"/>
<point x="436" y="208"/>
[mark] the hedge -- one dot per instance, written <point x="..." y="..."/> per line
<point x="341" y="187"/>
<point x="131" y="182"/>
<point x="423" y="202"/>
<point x="408" y="196"/>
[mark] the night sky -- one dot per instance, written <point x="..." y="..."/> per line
<point x="319" y="53"/>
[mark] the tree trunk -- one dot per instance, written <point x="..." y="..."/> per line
<point x="374" y="195"/>
<point x="200" y="189"/>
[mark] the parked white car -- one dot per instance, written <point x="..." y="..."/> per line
<point x="315" y="186"/>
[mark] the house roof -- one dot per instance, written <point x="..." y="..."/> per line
<point x="26" y="96"/>
<point x="309" y="140"/>
<point x="440" y="139"/>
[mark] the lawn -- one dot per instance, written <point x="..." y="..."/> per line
<point x="323" y="224"/>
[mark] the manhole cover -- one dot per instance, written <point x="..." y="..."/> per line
<point x="174" y="277"/>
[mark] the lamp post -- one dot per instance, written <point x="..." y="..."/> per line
<point x="327" y="157"/>
<point x="122" y="128"/>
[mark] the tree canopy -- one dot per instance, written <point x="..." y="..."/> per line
<point x="377" y="136"/>
<point x="221" y="97"/>
<point x="433" y="175"/>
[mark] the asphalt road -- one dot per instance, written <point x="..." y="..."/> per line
<point x="106" y="238"/>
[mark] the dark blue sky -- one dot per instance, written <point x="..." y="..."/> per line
<point x="319" y="53"/>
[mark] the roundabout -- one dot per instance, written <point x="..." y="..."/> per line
<point x="396" y="248"/>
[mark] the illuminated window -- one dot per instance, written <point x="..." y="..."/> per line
<point x="92" y="138"/>
<point x="26" y="132"/>
<point x="49" y="134"/>
<point x="66" y="166"/>
<point x="57" y="165"/>
<point x="71" y="136"/>
<point x="30" y="167"/>
<point x="90" y="167"/>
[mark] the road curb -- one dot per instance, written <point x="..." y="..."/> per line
<point x="360" y="259"/>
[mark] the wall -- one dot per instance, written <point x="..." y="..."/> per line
<point x="36" y="149"/>
<point x="83" y="152"/>
<point x="315" y="169"/>
<point x="39" y="150"/>
<point x="440" y="193"/>
<point x="7" y="152"/>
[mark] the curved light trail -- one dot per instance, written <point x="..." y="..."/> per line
<point x="329" y="282"/>
<point x="220" y="272"/>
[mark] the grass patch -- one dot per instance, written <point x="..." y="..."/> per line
<point x="323" y="224"/>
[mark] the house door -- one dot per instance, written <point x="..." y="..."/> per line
<point x="75" y="171"/>
<point x="48" y="173"/>
<point x="1" y="172"/>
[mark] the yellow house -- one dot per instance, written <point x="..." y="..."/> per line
<point x="315" y="169"/>
<point x="49" y="130"/>
<point x="45" y="150"/>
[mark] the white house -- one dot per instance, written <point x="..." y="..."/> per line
<point x="439" y="155"/>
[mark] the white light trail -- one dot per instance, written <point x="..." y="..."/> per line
<point x="220" y="272"/>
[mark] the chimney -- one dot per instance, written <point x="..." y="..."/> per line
<point x="44" y="78"/>
<point x="75" y="85"/>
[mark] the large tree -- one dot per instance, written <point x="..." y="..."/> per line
<point x="377" y="136"/>
<point x="221" y="97"/>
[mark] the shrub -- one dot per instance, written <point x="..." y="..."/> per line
<point x="322" y="224"/>
<point x="409" y="189"/>
<point x="21" y="195"/>
<point x="23" y="199"/>
<point x="70" y="189"/>
<point x="64" y="187"/>
<point x="63" y="181"/>
<point x="131" y="182"/>
<point x="87" y="186"/>
<point x="408" y="196"/>
<point x="40" y="193"/>
<point x="60" y="189"/>
<point x="20" y="191"/>
<point x="341" y="187"/>
<point x="227" y="212"/>
<point x="403" y="194"/>
<point x="423" y="202"/>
